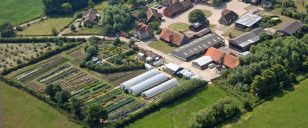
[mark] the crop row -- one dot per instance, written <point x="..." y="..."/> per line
<point x="29" y="75"/>
<point x="59" y="75"/>
<point x="104" y="98"/>
<point x="54" y="71"/>
<point x="85" y="94"/>
<point x="125" y="110"/>
<point x="119" y="104"/>
<point x="76" y="82"/>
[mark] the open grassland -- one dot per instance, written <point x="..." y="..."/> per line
<point x="21" y="110"/>
<point x="180" y="112"/>
<point x="19" y="11"/>
<point x="162" y="46"/>
<point x="45" y="27"/>
<point x="289" y="111"/>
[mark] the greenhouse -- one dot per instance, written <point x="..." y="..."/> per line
<point x="147" y="84"/>
<point x="159" y="89"/>
<point x="127" y="84"/>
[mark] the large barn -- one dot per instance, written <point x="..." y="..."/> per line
<point x="197" y="47"/>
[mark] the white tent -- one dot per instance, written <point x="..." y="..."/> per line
<point x="127" y="84"/>
<point x="147" y="84"/>
<point x="159" y="89"/>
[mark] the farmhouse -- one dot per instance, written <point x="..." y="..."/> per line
<point x="199" y="25"/>
<point x="143" y="31"/>
<point x="177" y="8"/>
<point x="244" y="41"/>
<point x="147" y="84"/>
<point x="153" y="15"/>
<point x="247" y="21"/>
<point x="159" y="89"/>
<point x="198" y="47"/>
<point x="231" y="61"/>
<point x="173" y="37"/>
<point x="228" y="17"/>
<point x="202" y="62"/>
<point x="215" y="54"/>
<point x="291" y="28"/>
<point x="89" y="17"/>
<point x="127" y="84"/>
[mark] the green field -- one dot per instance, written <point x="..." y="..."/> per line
<point x="21" y="110"/>
<point x="180" y="111"/>
<point x="45" y="27"/>
<point x="19" y="11"/>
<point x="162" y="46"/>
<point x="289" y="111"/>
<point x="179" y="27"/>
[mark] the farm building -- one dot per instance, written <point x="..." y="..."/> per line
<point x="186" y="74"/>
<point x="173" y="37"/>
<point x="215" y="54"/>
<point x="198" y="47"/>
<point x="127" y="84"/>
<point x="89" y="17"/>
<point x="173" y="68"/>
<point x="248" y="21"/>
<point x="147" y="84"/>
<point x="177" y="8"/>
<point x="202" y="62"/>
<point x="202" y="32"/>
<point x="143" y="31"/>
<point x="291" y="28"/>
<point x="228" y="17"/>
<point x="159" y="89"/>
<point x="199" y="25"/>
<point x="153" y="15"/>
<point x="244" y="41"/>
<point x="231" y="61"/>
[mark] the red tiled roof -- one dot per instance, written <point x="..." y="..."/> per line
<point x="143" y="28"/>
<point x="173" y="37"/>
<point x="215" y="54"/>
<point x="231" y="61"/>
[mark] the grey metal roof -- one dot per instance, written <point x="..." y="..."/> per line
<point x="291" y="27"/>
<point x="202" y="61"/>
<point x="138" y="79"/>
<point x="197" y="46"/>
<point x="247" y="39"/>
<point x="160" y="88"/>
<point x="248" y="19"/>
<point x="147" y="84"/>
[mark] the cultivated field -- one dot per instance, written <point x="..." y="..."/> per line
<point x="13" y="54"/>
<point x="19" y="11"/>
<point x="45" y="27"/>
<point x="17" y="112"/>
<point x="284" y="111"/>
<point x="179" y="112"/>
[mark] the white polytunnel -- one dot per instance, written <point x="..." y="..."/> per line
<point x="147" y="84"/>
<point x="127" y="84"/>
<point x="159" y="89"/>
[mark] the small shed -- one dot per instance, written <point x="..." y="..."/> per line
<point x="173" y="68"/>
<point x="202" y="62"/>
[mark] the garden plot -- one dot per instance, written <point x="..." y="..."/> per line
<point x="41" y="68"/>
<point x="125" y="110"/>
<point x="13" y="54"/>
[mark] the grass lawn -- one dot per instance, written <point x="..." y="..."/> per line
<point x="162" y="46"/>
<point x="21" y="110"/>
<point x="289" y="111"/>
<point x="19" y="11"/>
<point x="45" y="27"/>
<point x="180" y="111"/>
<point x="234" y="32"/>
<point x="179" y="27"/>
<point x="300" y="4"/>
<point x="207" y="13"/>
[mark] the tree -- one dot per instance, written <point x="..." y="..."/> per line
<point x="67" y="8"/>
<point x="217" y="3"/>
<point x="91" y="4"/>
<point x="72" y="27"/>
<point x="132" y="2"/>
<point x="52" y="90"/>
<point x="130" y="43"/>
<point x="7" y="30"/>
<point x="62" y="98"/>
<point x="155" y="25"/>
<point x="94" y="114"/>
<point x="54" y="32"/>
<point x="196" y="16"/>
<point x="75" y="107"/>
<point x="142" y="16"/>
<point x="116" y="41"/>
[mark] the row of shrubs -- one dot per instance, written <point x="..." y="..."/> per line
<point x="41" y="40"/>
<point x="42" y="57"/>
<point x="113" y="69"/>
<point x="166" y="98"/>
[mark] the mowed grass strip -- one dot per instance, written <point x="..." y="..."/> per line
<point x="180" y="112"/>
<point x="45" y="27"/>
<point x="21" y="110"/>
<point x="162" y="46"/>
<point x="288" y="111"/>
<point x="19" y="11"/>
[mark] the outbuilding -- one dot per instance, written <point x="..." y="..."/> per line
<point x="173" y="68"/>
<point x="248" y="21"/>
<point x="147" y="84"/>
<point x="202" y="62"/>
<point x="159" y="89"/>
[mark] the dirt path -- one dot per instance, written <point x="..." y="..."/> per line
<point x="32" y="21"/>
